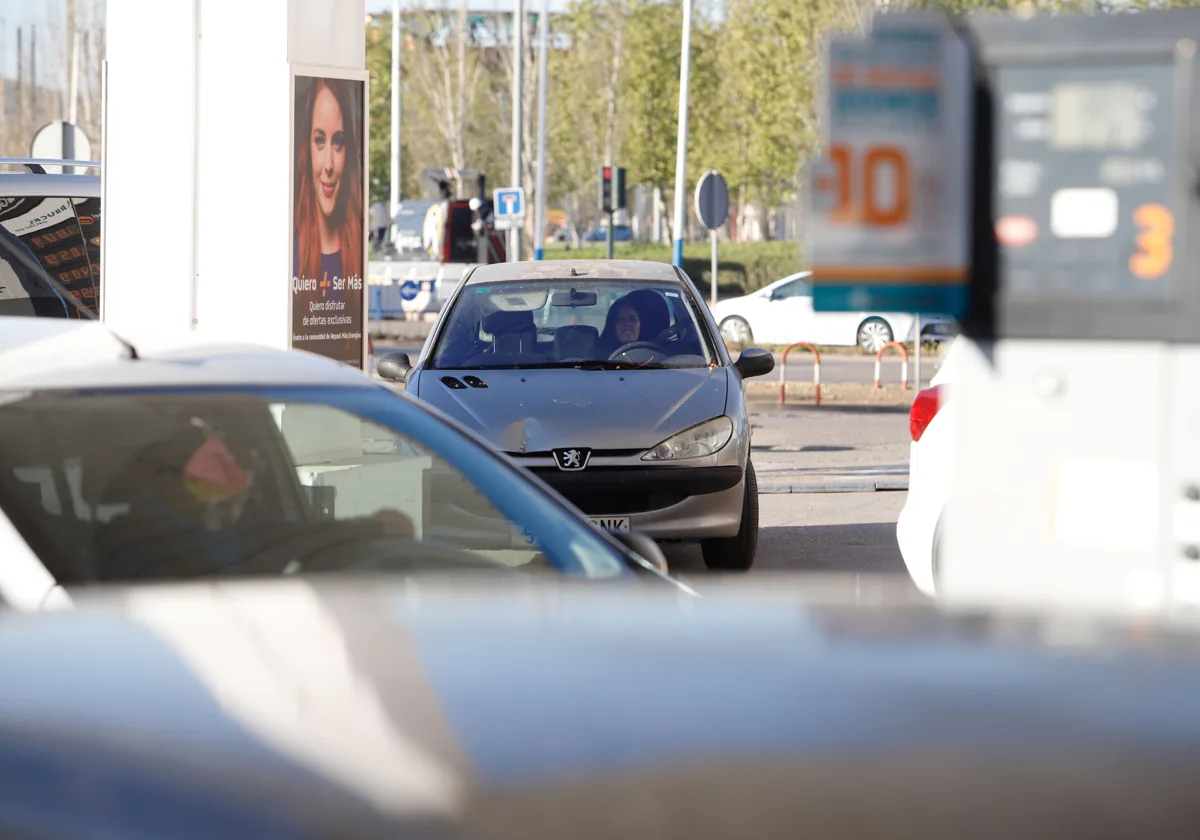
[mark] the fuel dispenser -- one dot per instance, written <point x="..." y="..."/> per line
<point x="1036" y="178"/>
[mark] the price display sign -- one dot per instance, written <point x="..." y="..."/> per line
<point x="1085" y="198"/>
<point x="63" y="239"/>
<point x="890" y="197"/>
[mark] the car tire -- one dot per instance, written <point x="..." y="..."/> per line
<point x="737" y="326"/>
<point x="736" y="553"/>
<point x="873" y="333"/>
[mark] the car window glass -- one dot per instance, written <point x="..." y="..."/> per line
<point x="137" y="488"/>
<point x="793" y="288"/>
<point x="63" y="236"/>
<point x="566" y="321"/>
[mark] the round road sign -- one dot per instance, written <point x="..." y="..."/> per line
<point x="712" y="200"/>
<point x="409" y="289"/>
<point x="60" y="140"/>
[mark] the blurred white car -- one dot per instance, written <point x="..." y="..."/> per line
<point x="782" y="313"/>
<point x="929" y="475"/>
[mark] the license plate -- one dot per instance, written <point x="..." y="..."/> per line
<point x="612" y="523"/>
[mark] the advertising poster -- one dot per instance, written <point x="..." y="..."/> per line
<point x="329" y="214"/>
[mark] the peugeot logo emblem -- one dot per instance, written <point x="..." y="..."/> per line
<point x="572" y="459"/>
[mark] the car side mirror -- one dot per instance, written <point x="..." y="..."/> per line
<point x="644" y="547"/>
<point x="755" y="361"/>
<point x="394" y="366"/>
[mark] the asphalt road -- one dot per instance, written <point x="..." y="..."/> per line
<point x="834" y="368"/>
<point x="797" y="450"/>
<point x="815" y="532"/>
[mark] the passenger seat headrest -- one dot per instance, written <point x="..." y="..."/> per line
<point x="501" y="322"/>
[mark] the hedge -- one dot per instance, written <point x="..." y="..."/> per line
<point x="742" y="268"/>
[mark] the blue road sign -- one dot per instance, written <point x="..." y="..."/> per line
<point x="409" y="289"/>
<point x="509" y="203"/>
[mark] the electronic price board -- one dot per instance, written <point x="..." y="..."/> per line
<point x="63" y="235"/>
<point x="1093" y="204"/>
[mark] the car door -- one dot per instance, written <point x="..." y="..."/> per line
<point x="788" y="315"/>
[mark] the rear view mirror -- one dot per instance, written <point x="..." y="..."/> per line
<point x="644" y="547"/>
<point x="573" y="298"/>
<point x="394" y="367"/>
<point x="755" y="361"/>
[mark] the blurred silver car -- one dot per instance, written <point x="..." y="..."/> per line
<point x="609" y="380"/>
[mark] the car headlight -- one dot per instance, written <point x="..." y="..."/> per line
<point x="700" y="440"/>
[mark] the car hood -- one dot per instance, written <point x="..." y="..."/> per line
<point x="539" y="410"/>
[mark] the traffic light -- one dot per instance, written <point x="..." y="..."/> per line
<point x="612" y="188"/>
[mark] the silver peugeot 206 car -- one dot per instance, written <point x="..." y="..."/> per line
<point x="609" y="380"/>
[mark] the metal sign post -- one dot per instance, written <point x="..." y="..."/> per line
<point x="712" y="207"/>
<point x="612" y="199"/>
<point x="509" y="210"/>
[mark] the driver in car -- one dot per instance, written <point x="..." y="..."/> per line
<point x="638" y="316"/>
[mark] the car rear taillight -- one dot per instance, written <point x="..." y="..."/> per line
<point x="924" y="409"/>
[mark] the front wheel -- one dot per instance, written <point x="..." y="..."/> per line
<point x="736" y="332"/>
<point x="736" y="553"/>
<point x="873" y="334"/>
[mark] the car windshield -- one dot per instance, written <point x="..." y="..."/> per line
<point x="574" y="323"/>
<point x="139" y="486"/>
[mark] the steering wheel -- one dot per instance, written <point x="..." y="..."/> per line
<point x="636" y="345"/>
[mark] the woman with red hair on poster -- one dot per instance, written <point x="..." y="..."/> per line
<point x="327" y="257"/>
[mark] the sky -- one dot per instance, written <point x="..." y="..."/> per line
<point x="48" y="16"/>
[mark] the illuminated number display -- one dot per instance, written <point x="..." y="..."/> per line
<point x="1155" y="251"/>
<point x="873" y="187"/>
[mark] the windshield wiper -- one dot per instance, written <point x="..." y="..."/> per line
<point x="594" y="364"/>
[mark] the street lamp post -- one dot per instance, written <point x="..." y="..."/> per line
<point x="685" y="63"/>
<point x="395" y="175"/>
<point x="539" y="215"/>
<point x="514" y="235"/>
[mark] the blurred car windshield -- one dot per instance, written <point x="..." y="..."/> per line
<point x="56" y="235"/>
<point x="160" y="485"/>
<point x="571" y="322"/>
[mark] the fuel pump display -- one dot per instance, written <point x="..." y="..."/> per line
<point x="1083" y="202"/>
<point x="1076" y="432"/>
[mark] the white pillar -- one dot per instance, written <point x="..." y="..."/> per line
<point x="199" y="169"/>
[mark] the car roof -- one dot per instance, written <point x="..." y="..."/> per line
<point x="48" y="353"/>
<point x="644" y="270"/>
<point x="547" y="709"/>
<point x="22" y="183"/>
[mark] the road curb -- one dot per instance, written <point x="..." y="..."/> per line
<point x="836" y="486"/>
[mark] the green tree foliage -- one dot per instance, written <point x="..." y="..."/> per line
<point x="614" y="90"/>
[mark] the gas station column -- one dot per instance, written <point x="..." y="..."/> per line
<point x="234" y="171"/>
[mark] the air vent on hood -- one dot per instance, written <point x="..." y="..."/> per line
<point x="451" y="382"/>
<point x="474" y="381"/>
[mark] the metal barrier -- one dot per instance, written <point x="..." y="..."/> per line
<point x="903" y="364"/>
<point x="816" y="372"/>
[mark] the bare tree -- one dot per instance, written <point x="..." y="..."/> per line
<point x="446" y="70"/>
<point x="619" y="17"/>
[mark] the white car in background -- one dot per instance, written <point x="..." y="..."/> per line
<point x="919" y="526"/>
<point x="782" y="313"/>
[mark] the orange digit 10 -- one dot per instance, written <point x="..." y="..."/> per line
<point x="869" y="171"/>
